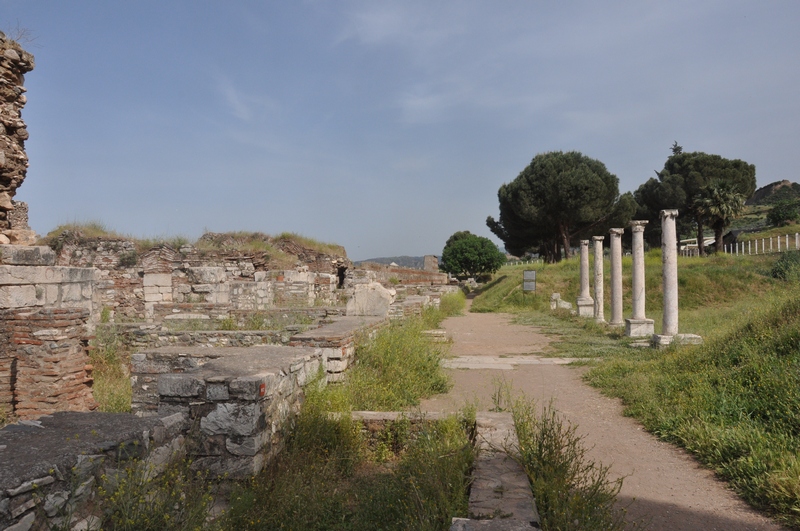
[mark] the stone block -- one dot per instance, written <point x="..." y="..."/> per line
<point x="370" y="299"/>
<point x="217" y="391"/>
<point x="585" y="307"/>
<point x="18" y="296"/>
<point x="71" y="293"/>
<point x="206" y="275"/>
<point x="180" y="385"/>
<point x="639" y="327"/>
<point x="232" y="419"/>
<point x="38" y="255"/>
<point x="157" y="279"/>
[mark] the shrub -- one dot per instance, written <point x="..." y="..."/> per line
<point x="784" y="213"/>
<point x="571" y="490"/>
<point x="787" y="267"/>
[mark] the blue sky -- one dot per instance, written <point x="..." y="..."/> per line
<point x="382" y="126"/>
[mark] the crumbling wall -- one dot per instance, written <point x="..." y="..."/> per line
<point x="14" y="64"/>
<point x="44" y="361"/>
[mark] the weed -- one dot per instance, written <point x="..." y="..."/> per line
<point x="137" y="499"/>
<point x="396" y="368"/>
<point x="572" y="492"/>
<point x="110" y="358"/>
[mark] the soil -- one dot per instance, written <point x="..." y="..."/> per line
<point x="664" y="488"/>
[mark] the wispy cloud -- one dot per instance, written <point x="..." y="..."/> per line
<point x="245" y="106"/>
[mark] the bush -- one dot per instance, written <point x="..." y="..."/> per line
<point x="784" y="213"/>
<point x="571" y="491"/>
<point x="787" y="267"/>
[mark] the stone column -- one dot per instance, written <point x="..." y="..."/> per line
<point x="585" y="302"/>
<point x="638" y="325"/>
<point x="669" y="261"/>
<point x="598" y="279"/>
<point x="616" y="277"/>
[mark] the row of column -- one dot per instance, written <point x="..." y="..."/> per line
<point x="747" y="247"/>
<point x="638" y="325"/>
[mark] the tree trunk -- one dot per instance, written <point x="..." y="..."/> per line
<point x="700" y="238"/>
<point x="718" y="246"/>
<point x="562" y="230"/>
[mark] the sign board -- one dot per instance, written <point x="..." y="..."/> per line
<point x="529" y="280"/>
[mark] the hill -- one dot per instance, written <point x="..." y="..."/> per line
<point x="775" y="192"/>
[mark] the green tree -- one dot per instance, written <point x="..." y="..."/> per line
<point x="468" y="255"/>
<point x="718" y="204"/>
<point x="784" y="213"/>
<point x="555" y="199"/>
<point x="681" y="184"/>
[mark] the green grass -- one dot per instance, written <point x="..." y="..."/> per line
<point x="311" y="243"/>
<point x="734" y="402"/>
<point x="110" y="358"/>
<point x="329" y="478"/>
<point x="395" y="368"/>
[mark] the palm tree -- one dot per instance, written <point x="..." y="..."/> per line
<point x="718" y="204"/>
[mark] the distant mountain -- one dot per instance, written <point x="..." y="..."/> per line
<point x="414" y="262"/>
<point x="774" y="192"/>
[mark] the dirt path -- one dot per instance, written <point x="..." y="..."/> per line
<point x="663" y="485"/>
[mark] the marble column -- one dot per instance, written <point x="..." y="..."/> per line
<point x="598" y="279"/>
<point x="669" y="261"/>
<point x="585" y="302"/>
<point x="638" y="325"/>
<point x="616" y="277"/>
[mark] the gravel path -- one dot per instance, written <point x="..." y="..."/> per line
<point x="663" y="486"/>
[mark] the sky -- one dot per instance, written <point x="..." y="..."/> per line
<point x="382" y="126"/>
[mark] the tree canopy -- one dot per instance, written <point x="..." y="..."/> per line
<point x="686" y="183"/>
<point x="468" y="255"/>
<point x="555" y="199"/>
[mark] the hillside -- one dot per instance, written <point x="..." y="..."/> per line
<point x="774" y="192"/>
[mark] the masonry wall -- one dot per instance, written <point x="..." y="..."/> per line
<point x="44" y="362"/>
<point x="14" y="64"/>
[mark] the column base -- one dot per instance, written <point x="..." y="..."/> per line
<point x="663" y="341"/>
<point x="616" y="324"/>
<point x="585" y="307"/>
<point x="639" y="327"/>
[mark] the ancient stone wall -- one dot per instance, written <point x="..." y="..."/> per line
<point x="44" y="362"/>
<point x="389" y="275"/>
<point x="14" y="64"/>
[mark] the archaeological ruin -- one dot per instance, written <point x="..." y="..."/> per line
<point x="225" y="334"/>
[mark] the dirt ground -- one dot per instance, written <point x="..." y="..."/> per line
<point x="663" y="487"/>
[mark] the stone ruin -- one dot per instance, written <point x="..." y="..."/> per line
<point x="14" y="64"/>
<point x="229" y="407"/>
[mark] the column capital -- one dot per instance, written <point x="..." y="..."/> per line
<point x="669" y="214"/>
<point x="616" y="232"/>
<point x="598" y="238"/>
<point x="637" y="225"/>
<point x="584" y="242"/>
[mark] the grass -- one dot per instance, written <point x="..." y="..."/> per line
<point x="733" y="401"/>
<point x="328" y="479"/>
<point x="396" y="367"/>
<point x="311" y="243"/>
<point x="238" y="241"/>
<point x="110" y="358"/>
